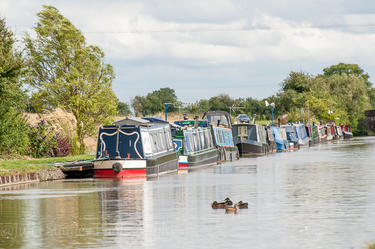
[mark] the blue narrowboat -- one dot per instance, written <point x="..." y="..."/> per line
<point x="303" y="138"/>
<point x="194" y="144"/>
<point x="291" y="134"/>
<point x="221" y="128"/>
<point x="135" y="147"/>
<point x="281" y="143"/>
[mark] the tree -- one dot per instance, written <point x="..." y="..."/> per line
<point x="123" y="108"/>
<point x="355" y="70"/>
<point x="138" y="105"/>
<point x="155" y="102"/>
<point x="221" y="102"/>
<point x="13" y="128"/>
<point x="298" y="82"/>
<point x="348" y="69"/>
<point x="66" y="72"/>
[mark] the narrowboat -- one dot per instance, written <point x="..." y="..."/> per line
<point x="334" y="132"/>
<point x="327" y="130"/>
<point x="194" y="144"/>
<point x="313" y="133"/>
<point x="346" y="131"/>
<point x="291" y="134"/>
<point x="281" y="143"/>
<point x="338" y="132"/>
<point x="322" y="134"/>
<point x="222" y="135"/>
<point x="250" y="139"/>
<point x="303" y="138"/>
<point x="135" y="147"/>
<point x="284" y="136"/>
<point x="272" y="147"/>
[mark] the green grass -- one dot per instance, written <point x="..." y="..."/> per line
<point x="8" y="166"/>
<point x="372" y="246"/>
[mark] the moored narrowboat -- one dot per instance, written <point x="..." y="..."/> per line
<point x="303" y="138"/>
<point x="135" y="148"/>
<point x="222" y="135"/>
<point x="322" y="134"/>
<point x="194" y="144"/>
<point x="313" y="133"/>
<point x="250" y="139"/>
<point x="347" y="131"/>
<point x="291" y="134"/>
<point x="281" y="143"/>
<point x="272" y="146"/>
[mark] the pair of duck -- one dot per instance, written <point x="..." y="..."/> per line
<point x="227" y="203"/>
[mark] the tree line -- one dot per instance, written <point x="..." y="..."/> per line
<point x="58" y="69"/>
<point x="341" y="93"/>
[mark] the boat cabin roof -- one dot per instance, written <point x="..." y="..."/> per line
<point x="131" y="121"/>
<point x="218" y="118"/>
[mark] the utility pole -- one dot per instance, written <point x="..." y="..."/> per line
<point x="166" y="110"/>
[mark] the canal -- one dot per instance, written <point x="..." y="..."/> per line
<point x="317" y="197"/>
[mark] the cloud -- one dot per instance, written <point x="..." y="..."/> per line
<point x="234" y="46"/>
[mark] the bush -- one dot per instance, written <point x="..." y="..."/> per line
<point x="42" y="141"/>
<point x="63" y="146"/>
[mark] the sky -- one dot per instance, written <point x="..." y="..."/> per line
<point x="244" y="48"/>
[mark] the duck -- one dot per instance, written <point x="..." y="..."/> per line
<point x="228" y="201"/>
<point x="231" y="210"/>
<point x="242" y="205"/>
<point x="216" y="205"/>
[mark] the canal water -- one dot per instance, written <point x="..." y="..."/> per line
<point x="317" y="197"/>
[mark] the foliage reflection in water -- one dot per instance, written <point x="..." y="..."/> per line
<point x="318" y="197"/>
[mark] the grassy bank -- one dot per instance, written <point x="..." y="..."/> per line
<point x="11" y="166"/>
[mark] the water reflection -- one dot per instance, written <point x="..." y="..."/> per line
<point x="318" y="197"/>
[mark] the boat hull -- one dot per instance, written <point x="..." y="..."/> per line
<point x="347" y="135"/>
<point x="248" y="150"/>
<point x="134" y="168"/>
<point x="204" y="159"/>
<point x="228" y="154"/>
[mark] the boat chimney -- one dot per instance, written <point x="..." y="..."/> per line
<point x="254" y="116"/>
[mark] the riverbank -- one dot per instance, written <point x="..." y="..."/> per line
<point x="34" y="170"/>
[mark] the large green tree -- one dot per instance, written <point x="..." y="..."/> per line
<point x="68" y="73"/>
<point x="13" y="128"/>
<point x="155" y="101"/>
<point x="356" y="71"/>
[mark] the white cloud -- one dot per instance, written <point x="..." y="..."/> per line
<point x="208" y="39"/>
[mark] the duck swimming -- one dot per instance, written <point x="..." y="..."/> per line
<point x="231" y="210"/>
<point x="216" y="205"/>
<point x="228" y="201"/>
<point x="242" y="205"/>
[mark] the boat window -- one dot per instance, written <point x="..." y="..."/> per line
<point x="242" y="131"/>
<point x="163" y="142"/>
<point x="147" y="148"/>
<point x="202" y="140"/>
<point x="168" y="138"/>
<point x="252" y="132"/>
<point x="196" y="142"/>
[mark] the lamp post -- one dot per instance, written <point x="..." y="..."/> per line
<point x="272" y="107"/>
<point x="166" y="110"/>
<point x="330" y="114"/>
